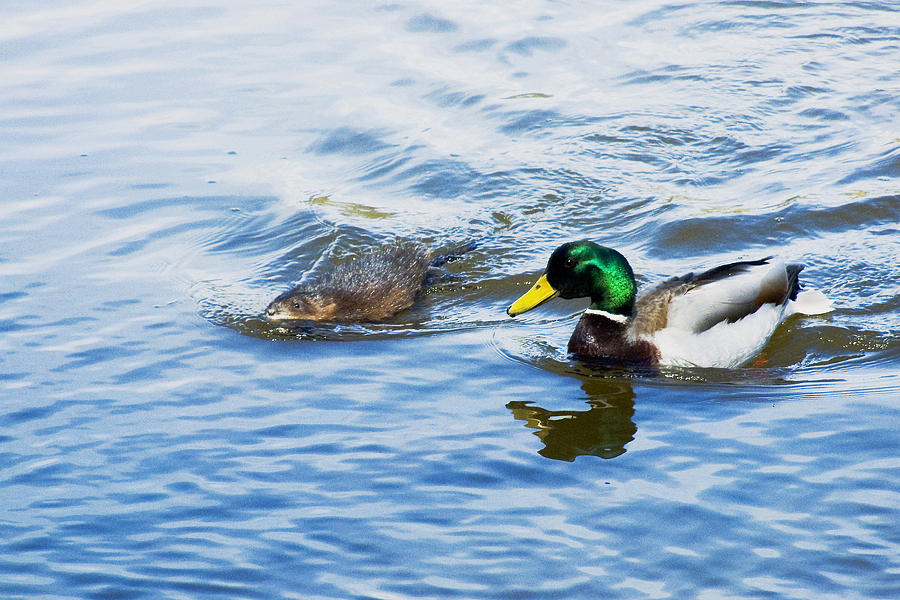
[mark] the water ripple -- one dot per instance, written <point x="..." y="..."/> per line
<point x="167" y="171"/>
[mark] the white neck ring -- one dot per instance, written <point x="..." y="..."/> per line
<point x="608" y="315"/>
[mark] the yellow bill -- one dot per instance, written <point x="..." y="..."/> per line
<point x="539" y="293"/>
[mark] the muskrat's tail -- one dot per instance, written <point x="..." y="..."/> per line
<point x="455" y="254"/>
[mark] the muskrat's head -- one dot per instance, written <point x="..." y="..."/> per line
<point x="302" y="304"/>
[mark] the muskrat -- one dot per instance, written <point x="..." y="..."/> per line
<point x="373" y="287"/>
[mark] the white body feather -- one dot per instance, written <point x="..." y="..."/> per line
<point x="684" y="342"/>
<point x="724" y="345"/>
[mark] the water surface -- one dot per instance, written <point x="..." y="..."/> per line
<point x="168" y="168"/>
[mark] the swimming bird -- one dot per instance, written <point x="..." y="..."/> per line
<point x="374" y="287"/>
<point x="722" y="317"/>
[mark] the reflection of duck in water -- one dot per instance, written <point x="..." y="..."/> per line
<point x="602" y="431"/>
<point x="720" y="318"/>
<point x="373" y="287"/>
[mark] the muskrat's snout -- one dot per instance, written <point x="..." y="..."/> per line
<point x="279" y="310"/>
<point x="298" y="304"/>
<point x="280" y="307"/>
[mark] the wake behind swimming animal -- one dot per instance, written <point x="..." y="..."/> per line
<point x="373" y="287"/>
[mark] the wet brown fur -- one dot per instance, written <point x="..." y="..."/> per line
<point x="373" y="287"/>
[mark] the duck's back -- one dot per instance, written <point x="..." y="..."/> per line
<point x="725" y="316"/>
<point x="727" y="293"/>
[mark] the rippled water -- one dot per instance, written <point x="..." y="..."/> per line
<point x="167" y="168"/>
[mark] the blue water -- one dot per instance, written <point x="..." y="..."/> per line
<point x="167" y="168"/>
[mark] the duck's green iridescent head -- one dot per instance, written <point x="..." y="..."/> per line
<point x="583" y="270"/>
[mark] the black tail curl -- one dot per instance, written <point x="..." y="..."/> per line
<point x="455" y="254"/>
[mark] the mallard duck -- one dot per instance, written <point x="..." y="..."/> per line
<point x="373" y="287"/>
<point x="722" y="317"/>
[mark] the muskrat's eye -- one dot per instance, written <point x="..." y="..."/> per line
<point x="297" y="305"/>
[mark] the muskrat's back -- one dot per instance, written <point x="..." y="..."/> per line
<point x="373" y="287"/>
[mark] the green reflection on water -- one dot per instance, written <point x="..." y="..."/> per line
<point x="603" y="430"/>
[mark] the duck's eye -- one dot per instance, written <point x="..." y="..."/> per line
<point x="570" y="262"/>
